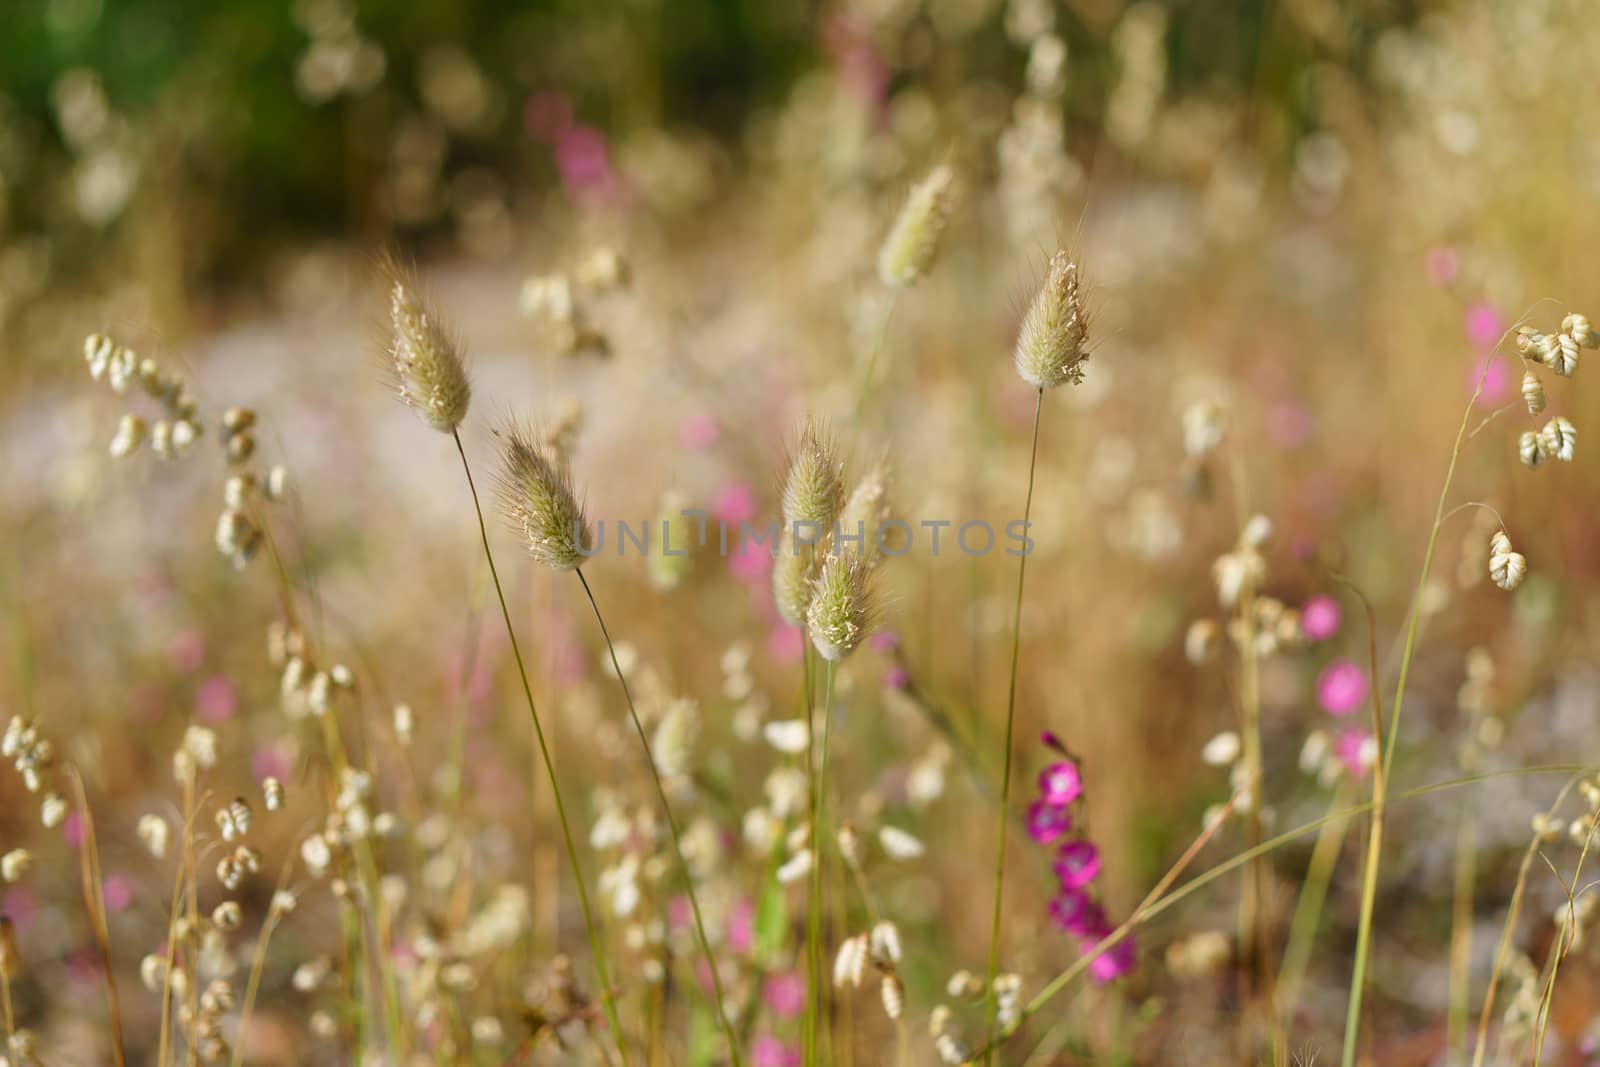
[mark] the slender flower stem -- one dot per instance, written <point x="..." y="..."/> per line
<point x="1380" y="773"/>
<point x="814" y="834"/>
<point x="672" y="825"/>
<point x="1011" y="716"/>
<point x="1308" y="908"/>
<point x="808" y="1039"/>
<point x="607" y="997"/>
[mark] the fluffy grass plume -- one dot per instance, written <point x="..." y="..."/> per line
<point x="429" y="374"/>
<point x="537" y="495"/>
<point x="1051" y="345"/>
<point x="913" y="240"/>
<point x="841" y="610"/>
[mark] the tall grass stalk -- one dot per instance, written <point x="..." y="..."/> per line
<point x="815" y="834"/>
<point x="1513" y="913"/>
<point x="1011" y="717"/>
<point x="1308" y="908"/>
<point x="608" y="997"/>
<point x="808" y="1039"/>
<point x="672" y="826"/>
<point x="1163" y="897"/>
<point x="1380" y="772"/>
<point x="1465" y="875"/>
<point x="94" y="900"/>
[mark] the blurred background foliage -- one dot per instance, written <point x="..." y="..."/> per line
<point x="214" y="136"/>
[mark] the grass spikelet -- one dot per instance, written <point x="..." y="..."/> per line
<point x="864" y="514"/>
<point x="913" y="241"/>
<point x="1051" y="344"/>
<point x="429" y="374"/>
<point x="841" y="609"/>
<point x="792" y="577"/>
<point x="537" y="495"/>
<point x="813" y="491"/>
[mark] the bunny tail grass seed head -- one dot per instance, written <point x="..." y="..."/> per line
<point x="865" y="513"/>
<point x="842" y="609"/>
<point x="792" y="577"/>
<point x="1051" y="344"/>
<point x="428" y="372"/>
<point x="913" y="241"/>
<point x="537" y="495"/>
<point x="813" y="492"/>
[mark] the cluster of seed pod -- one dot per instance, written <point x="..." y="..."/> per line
<point x="239" y="535"/>
<point x="172" y="435"/>
<point x="558" y="301"/>
<point x="204" y="1015"/>
<point x="881" y="947"/>
<point x="304" y="687"/>
<point x="964" y="985"/>
<point x="1507" y="567"/>
<point x="33" y="756"/>
<point x="1557" y="439"/>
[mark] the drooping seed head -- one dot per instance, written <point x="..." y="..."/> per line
<point x="813" y="492"/>
<point x="1560" y="438"/>
<point x="841" y="609"/>
<point x="539" y="502"/>
<point x="913" y="241"/>
<point x="1533" y="392"/>
<point x="428" y="371"/>
<point x="1051" y="346"/>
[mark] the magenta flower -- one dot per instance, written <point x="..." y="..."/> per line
<point x="785" y="643"/>
<point x="895" y="678"/>
<point x="742" y="927"/>
<point x="1443" y="264"/>
<point x="748" y="562"/>
<point x="118" y="893"/>
<point x="1495" y="375"/>
<point x="701" y="430"/>
<point x="1047" y="821"/>
<point x="1320" y="618"/>
<point x="1113" y="963"/>
<point x="1483" y="326"/>
<point x="1074" y="912"/>
<point x="1077" y="864"/>
<point x="736" y="503"/>
<point x="885" y="640"/>
<point x="216" y="700"/>
<point x="768" y="1051"/>
<point x="784" y="994"/>
<point x="1060" y="783"/>
<point x="1341" y="687"/>
<point x="1355" y="750"/>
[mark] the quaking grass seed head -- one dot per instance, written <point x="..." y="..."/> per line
<point x="537" y="495"/>
<point x="842" y="606"/>
<point x="813" y="491"/>
<point x="909" y="249"/>
<point x="1052" y="344"/>
<point x="429" y="374"/>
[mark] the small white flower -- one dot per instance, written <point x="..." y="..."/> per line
<point x="899" y="844"/>
<point x="15" y="864"/>
<point x="52" y="811"/>
<point x="1222" y="749"/>
<point x="787" y="736"/>
<point x="154" y="832"/>
<point x="851" y="962"/>
<point x="796" y="868"/>
<point x="886" y="943"/>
